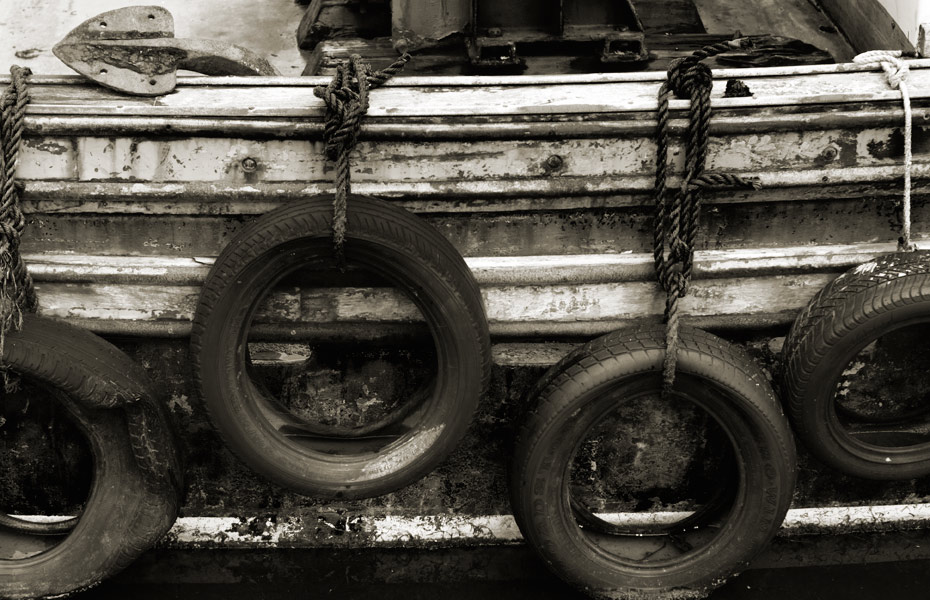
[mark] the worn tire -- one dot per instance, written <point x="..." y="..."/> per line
<point x="128" y="509"/>
<point x="385" y="239"/>
<point x="863" y="304"/>
<point x="719" y="378"/>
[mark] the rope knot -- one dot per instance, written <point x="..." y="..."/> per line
<point x="677" y="214"/>
<point x="679" y="250"/>
<point x="346" y="100"/>
<point x="687" y="77"/>
<point x="889" y="61"/>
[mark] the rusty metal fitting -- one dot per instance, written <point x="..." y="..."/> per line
<point x="830" y="153"/>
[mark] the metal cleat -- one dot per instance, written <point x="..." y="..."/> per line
<point x="133" y="50"/>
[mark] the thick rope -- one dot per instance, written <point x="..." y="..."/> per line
<point x="676" y="219"/>
<point x="17" y="293"/>
<point x="896" y="71"/>
<point x="346" y="99"/>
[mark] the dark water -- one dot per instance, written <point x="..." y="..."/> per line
<point x="460" y="574"/>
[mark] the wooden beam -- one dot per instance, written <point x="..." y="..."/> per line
<point x="867" y="25"/>
<point x="529" y="296"/>
<point x="481" y="96"/>
<point x="418" y="23"/>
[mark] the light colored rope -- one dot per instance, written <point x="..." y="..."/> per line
<point x="896" y="74"/>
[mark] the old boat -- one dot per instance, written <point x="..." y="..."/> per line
<point x="544" y="184"/>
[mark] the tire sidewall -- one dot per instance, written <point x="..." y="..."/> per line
<point x="230" y="401"/>
<point x="766" y="467"/>
<point x="817" y="417"/>
<point x="123" y="516"/>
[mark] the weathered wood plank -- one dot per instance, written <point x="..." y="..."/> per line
<point x="512" y="99"/>
<point x="799" y="19"/>
<point x="488" y="270"/>
<point x="778" y="158"/>
<point x="851" y="214"/>
<point x="512" y="311"/>
<point x="439" y="81"/>
<point x="557" y="294"/>
<point x="867" y="25"/>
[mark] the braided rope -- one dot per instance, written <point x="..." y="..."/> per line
<point x="17" y="293"/>
<point x="346" y="99"/>
<point x="896" y="71"/>
<point x="676" y="221"/>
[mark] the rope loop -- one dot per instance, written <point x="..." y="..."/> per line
<point x="889" y="61"/>
<point x="17" y="293"/>
<point x="346" y="100"/>
<point x="896" y="71"/>
<point x="686" y="79"/>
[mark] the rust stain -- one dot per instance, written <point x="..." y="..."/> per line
<point x="46" y="146"/>
<point x="140" y="59"/>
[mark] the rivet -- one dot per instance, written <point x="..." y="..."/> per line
<point x="494" y="32"/>
<point x="554" y="162"/>
<point x="249" y="164"/>
<point x="829" y="153"/>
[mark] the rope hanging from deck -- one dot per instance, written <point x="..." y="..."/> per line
<point x="346" y="99"/>
<point x="17" y="293"/>
<point x="676" y="218"/>
<point x="896" y="71"/>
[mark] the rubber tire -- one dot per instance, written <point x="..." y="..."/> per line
<point x="126" y="513"/>
<point x="405" y="250"/>
<point x="731" y="387"/>
<point x="850" y="312"/>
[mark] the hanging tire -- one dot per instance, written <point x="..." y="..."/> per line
<point x="616" y="371"/>
<point x="134" y="496"/>
<point x="887" y="297"/>
<point x="403" y="250"/>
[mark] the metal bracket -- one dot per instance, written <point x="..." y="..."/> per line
<point x="133" y="50"/>
<point x="625" y="47"/>
<point x="498" y="54"/>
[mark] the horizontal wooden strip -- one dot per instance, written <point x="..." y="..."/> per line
<point x="188" y="80"/>
<point x="778" y="158"/>
<point x="485" y="80"/>
<point x="471" y="196"/>
<point x="559" y="98"/>
<point x="402" y="333"/>
<point x="578" y="269"/>
<point x="722" y="123"/>
<point x="522" y="305"/>
<point x="577" y="296"/>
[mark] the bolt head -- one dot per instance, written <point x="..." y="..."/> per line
<point x="249" y="164"/>
<point x="554" y="161"/>
<point x="829" y="153"/>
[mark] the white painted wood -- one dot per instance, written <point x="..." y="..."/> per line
<point x="184" y="175"/>
<point x="529" y="294"/>
<point x="490" y="270"/>
<point x="523" y="305"/>
<point x="484" y="195"/>
<point x="482" y="80"/>
<point x="629" y="94"/>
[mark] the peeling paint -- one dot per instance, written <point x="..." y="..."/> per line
<point x="440" y="530"/>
